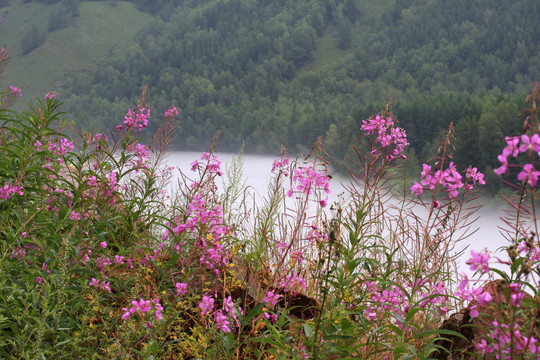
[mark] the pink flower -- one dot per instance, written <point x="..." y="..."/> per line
<point x="417" y="189"/>
<point x="15" y="91"/>
<point x="181" y="288"/>
<point x="530" y="143"/>
<point x="92" y="181"/>
<point x="529" y="175"/>
<point x="75" y="216"/>
<point x="94" y="282"/>
<point x="222" y="322"/>
<point x="511" y="149"/>
<point x="171" y="112"/>
<point x="142" y="305"/>
<point x="484" y="298"/>
<point x="271" y="298"/>
<point x="137" y="120"/>
<point x="228" y="305"/>
<point x="207" y="304"/>
<point x="37" y="145"/>
<point x="103" y="244"/>
<point x="478" y="260"/>
<point x="476" y="176"/>
<point x="50" y="95"/>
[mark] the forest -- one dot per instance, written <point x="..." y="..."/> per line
<point x="270" y="73"/>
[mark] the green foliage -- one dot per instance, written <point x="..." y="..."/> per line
<point x="61" y="17"/>
<point x="32" y="39"/>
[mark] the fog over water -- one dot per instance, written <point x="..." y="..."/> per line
<point x="257" y="171"/>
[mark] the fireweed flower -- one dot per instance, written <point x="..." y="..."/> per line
<point x="138" y="120"/>
<point x="309" y="179"/>
<point x="521" y="144"/>
<point x="15" y="91"/>
<point x="222" y="321"/>
<point x="449" y="179"/>
<point x="171" y="112"/>
<point x="529" y="175"/>
<point x="478" y="260"/>
<point x="281" y="166"/>
<point x="213" y="164"/>
<point x="143" y="306"/>
<point x="181" y="288"/>
<point x="271" y="298"/>
<point x="207" y="304"/>
<point x="8" y="190"/>
<point x="387" y="135"/>
<point x="50" y="95"/>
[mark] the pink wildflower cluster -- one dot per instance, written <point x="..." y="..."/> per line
<point x="213" y="164"/>
<point x="15" y="91"/>
<point x="474" y="293"/>
<point x="199" y="216"/>
<point x="529" y="251"/>
<point x="142" y="155"/>
<point x="516" y="145"/>
<point x="271" y="298"/>
<point x="293" y="282"/>
<point x="387" y="134"/>
<point x="137" y="120"/>
<point x="478" y="261"/>
<point x="309" y="180"/>
<point x="224" y="317"/>
<point x="181" y="288"/>
<point x="281" y="165"/>
<point x="104" y="286"/>
<point x="171" y="112"/>
<point x="21" y="251"/>
<point x="8" y="190"/>
<point x="450" y="179"/>
<point x="383" y="301"/>
<point x="50" y="95"/>
<point x="394" y="302"/>
<point x="511" y="343"/>
<point x="141" y="307"/>
<point x="59" y="149"/>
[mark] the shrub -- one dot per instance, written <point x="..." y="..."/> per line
<point x="32" y="39"/>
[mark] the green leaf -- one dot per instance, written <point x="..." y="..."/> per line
<point x="308" y="330"/>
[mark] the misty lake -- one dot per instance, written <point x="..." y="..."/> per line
<point x="257" y="170"/>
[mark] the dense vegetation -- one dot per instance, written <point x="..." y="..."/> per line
<point x="102" y="258"/>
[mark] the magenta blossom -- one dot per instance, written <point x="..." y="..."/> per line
<point x="271" y="298"/>
<point x="529" y="175"/>
<point x="15" y="91"/>
<point x="207" y="304"/>
<point x="478" y="260"/>
<point x="181" y="288"/>
<point x="171" y="112"/>
<point x="50" y="95"/>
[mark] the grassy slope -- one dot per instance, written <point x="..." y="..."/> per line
<point x="88" y="39"/>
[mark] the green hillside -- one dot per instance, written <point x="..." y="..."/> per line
<point x="88" y="40"/>
<point x="273" y="72"/>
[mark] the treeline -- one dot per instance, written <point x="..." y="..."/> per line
<point x="252" y="70"/>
